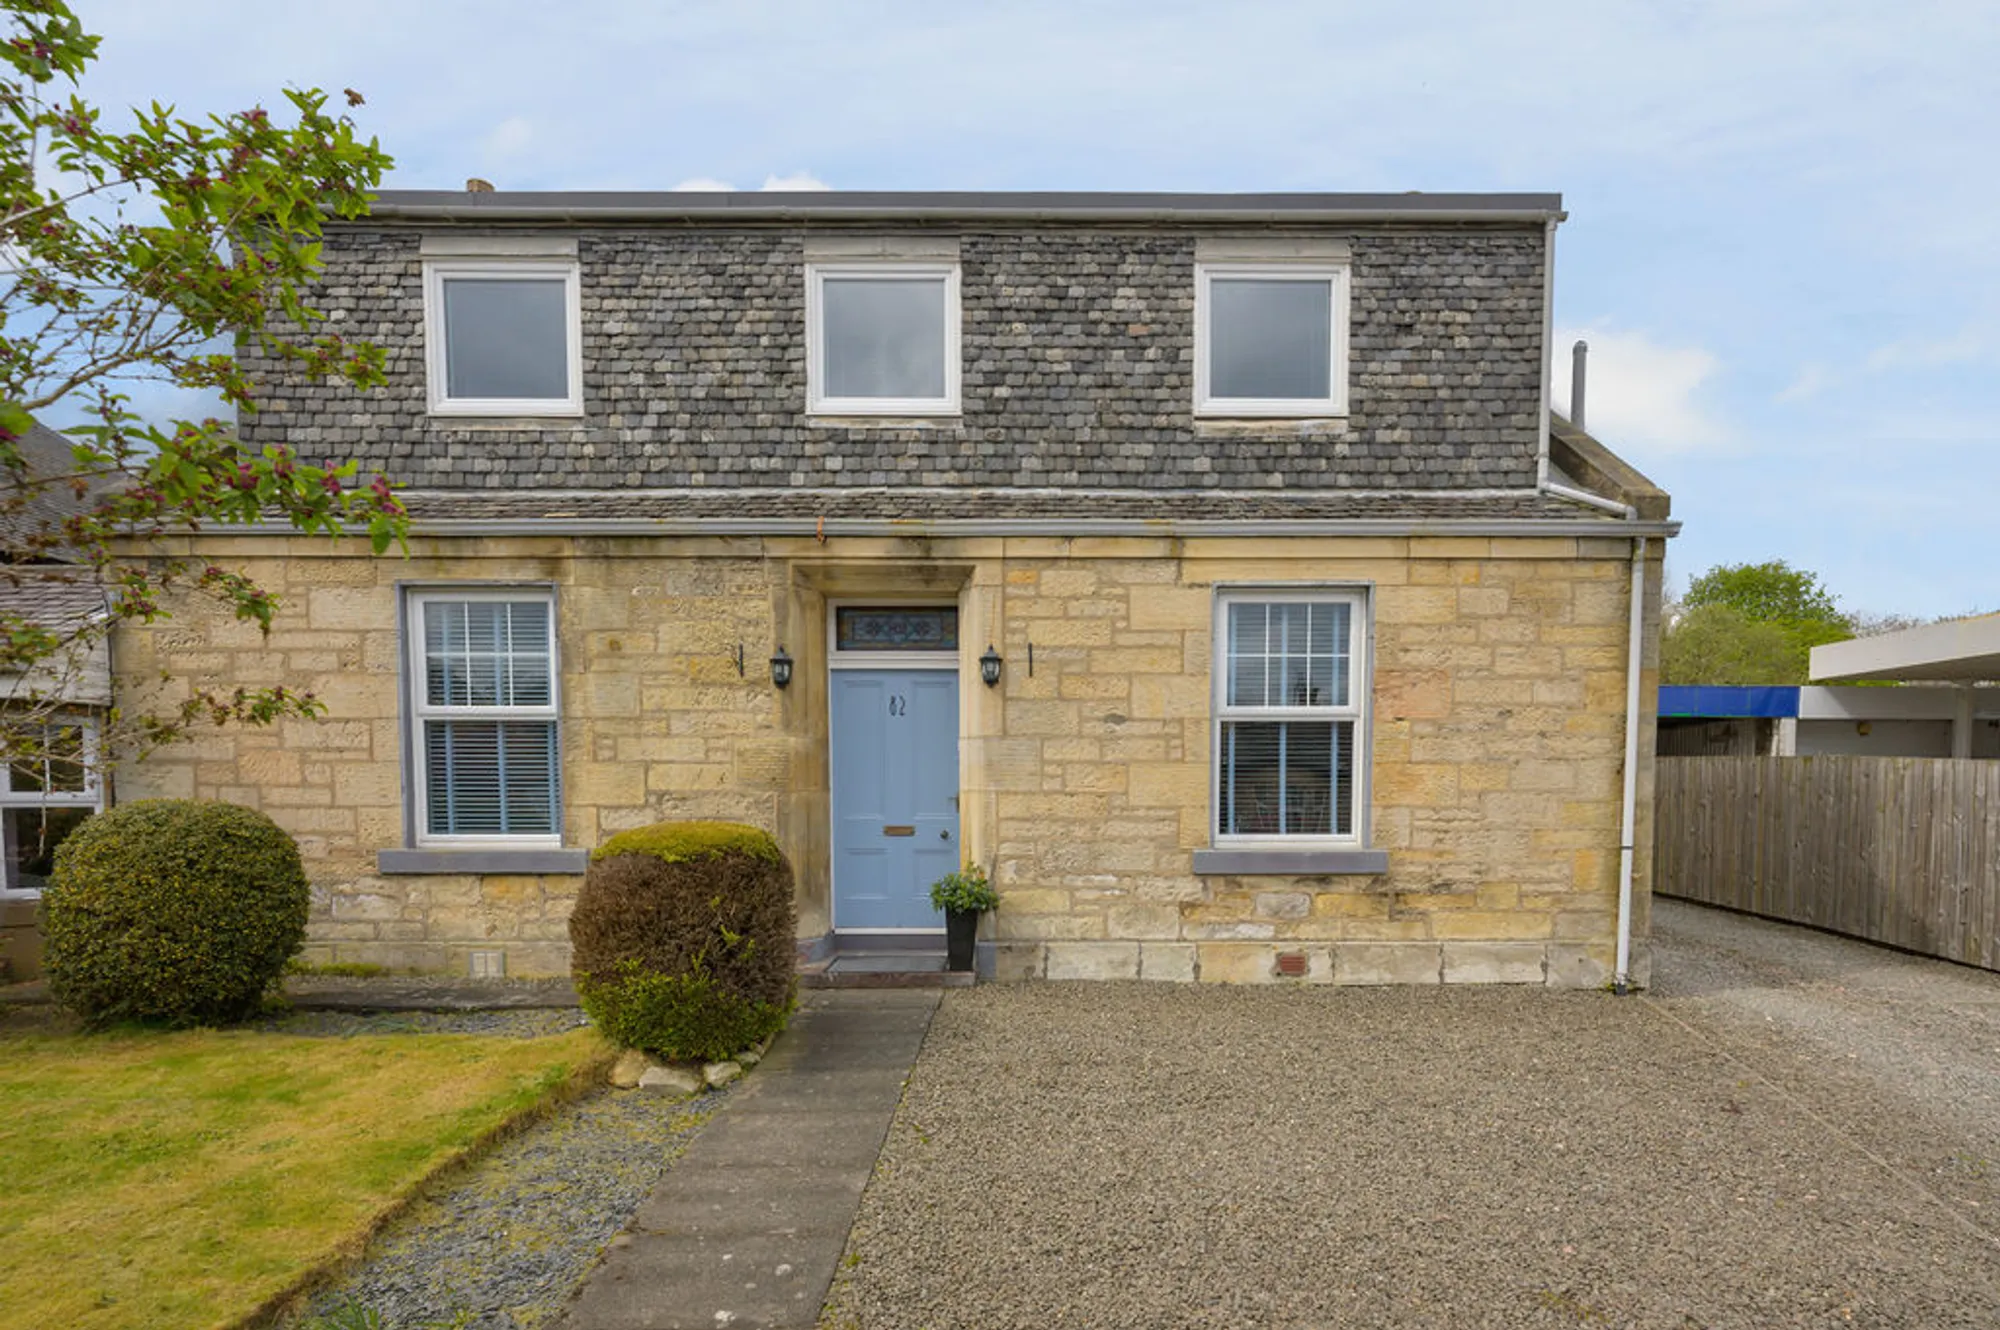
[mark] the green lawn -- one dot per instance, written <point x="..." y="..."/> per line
<point x="181" y="1180"/>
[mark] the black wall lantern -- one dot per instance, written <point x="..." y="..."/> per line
<point x="989" y="666"/>
<point x="781" y="669"/>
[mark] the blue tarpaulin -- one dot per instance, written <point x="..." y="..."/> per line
<point x="1705" y="701"/>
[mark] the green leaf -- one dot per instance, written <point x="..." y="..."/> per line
<point x="234" y="205"/>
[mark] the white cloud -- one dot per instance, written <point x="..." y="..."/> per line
<point x="1641" y="395"/>
<point x="797" y="180"/>
<point x="1967" y="344"/>
<point x="1812" y="380"/>
<point x="509" y="139"/>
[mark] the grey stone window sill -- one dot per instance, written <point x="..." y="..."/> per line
<point x="1224" y="425"/>
<point x="1301" y="862"/>
<point x="482" y="861"/>
<point x="942" y="420"/>
<point x="438" y="421"/>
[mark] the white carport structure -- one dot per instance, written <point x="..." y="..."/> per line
<point x="1962" y="652"/>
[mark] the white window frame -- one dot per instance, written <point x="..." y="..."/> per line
<point x="438" y="271"/>
<point x="1335" y="404"/>
<point x="818" y="403"/>
<point x="91" y="797"/>
<point x="1356" y="710"/>
<point x="421" y="710"/>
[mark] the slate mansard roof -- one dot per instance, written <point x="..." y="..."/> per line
<point x="1077" y="350"/>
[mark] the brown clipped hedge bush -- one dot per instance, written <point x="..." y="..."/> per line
<point x="682" y="939"/>
<point x="178" y="911"/>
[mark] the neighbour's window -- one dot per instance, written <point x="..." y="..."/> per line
<point x="50" y="785"/>
<point x="1289" y="708"/>
<point x="882" y="339"/>
<point x="1270" y="340"/>
<point x="503" y="337"/>
<point x="487" y="765"/>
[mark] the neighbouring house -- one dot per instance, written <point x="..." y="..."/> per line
<point x="1957" y="719"/>
<point x="1723" y="720"/>
<point x="1944" y="705"/>
<point x="1208" y="567"/>
<point x="49" y="716"/>
<point x="1816" y="720"/>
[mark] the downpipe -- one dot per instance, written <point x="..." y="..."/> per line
<point x="1621" y="980"/>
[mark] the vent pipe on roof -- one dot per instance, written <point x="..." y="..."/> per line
<point x="1578" y="355"/>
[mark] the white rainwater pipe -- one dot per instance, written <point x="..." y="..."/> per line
<point x="1621" y="980"/>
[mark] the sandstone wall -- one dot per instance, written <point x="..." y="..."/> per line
<point x="1495" y="741"/>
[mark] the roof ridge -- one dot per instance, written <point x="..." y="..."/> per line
<point x="558" y="205"/>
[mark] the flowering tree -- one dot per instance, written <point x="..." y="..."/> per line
<point x="134" y="255"/>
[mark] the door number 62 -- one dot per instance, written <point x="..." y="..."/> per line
<point x="898" y="706"/>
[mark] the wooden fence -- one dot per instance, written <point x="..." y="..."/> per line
<point x="1903" y="850"/>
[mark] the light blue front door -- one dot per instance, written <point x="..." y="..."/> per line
<point x="895" y="795"/>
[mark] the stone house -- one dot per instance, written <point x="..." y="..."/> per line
<point x="51" y="714"/>
<point x="1209" y="568"/>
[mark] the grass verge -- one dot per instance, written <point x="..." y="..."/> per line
<point x="202" y="1178"/>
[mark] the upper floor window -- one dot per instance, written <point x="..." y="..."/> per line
<point x="487" y="763"/>
<point x="47" y="789"/>
<point x="1291" y="701"/>
<point x="503" y="337"/>
<point x="882" y="339"/>
<point x="1270" y="339"/>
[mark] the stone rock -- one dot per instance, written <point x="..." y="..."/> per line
<point x="749" y="1057"/>
<point x="719" y="1074"/>
<point x="674" y="1082"/>
<point x="630" y="1066"/>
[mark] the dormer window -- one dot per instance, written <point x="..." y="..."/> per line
<point x="503" y="336"/>
<point x="1270" y="339"/>
<point x="882" y="339"/>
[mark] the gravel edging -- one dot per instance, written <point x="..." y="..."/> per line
<point x="427" y="992"/>
<point x="501" y="1242"/>
<point x="340" y="1023"/>
<point x="507" y="1241"/>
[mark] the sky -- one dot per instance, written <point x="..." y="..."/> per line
<point x="1783" y="242"/>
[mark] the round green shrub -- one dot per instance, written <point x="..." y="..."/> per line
<point x="681" y="939"/>
<point x="180" y="911"/>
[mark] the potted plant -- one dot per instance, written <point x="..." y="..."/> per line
<point x="962" y="896"/>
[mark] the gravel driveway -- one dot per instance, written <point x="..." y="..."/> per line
<point x="1792" y="1130"/>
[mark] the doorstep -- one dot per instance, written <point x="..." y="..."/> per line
<point x="881" y="961"/>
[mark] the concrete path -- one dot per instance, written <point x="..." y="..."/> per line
<point x="746" y="1229"/>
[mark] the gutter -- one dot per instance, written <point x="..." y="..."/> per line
<point x="987" y="527"/>
<point x="1548" y="353"/>
<point x="586" y="214"/>
<point x="1607" y="469"/>
<point x="1547" y="486"/>
<point x="1621" y="978"/>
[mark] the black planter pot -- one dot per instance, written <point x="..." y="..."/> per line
<point x="960" y="928"/>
